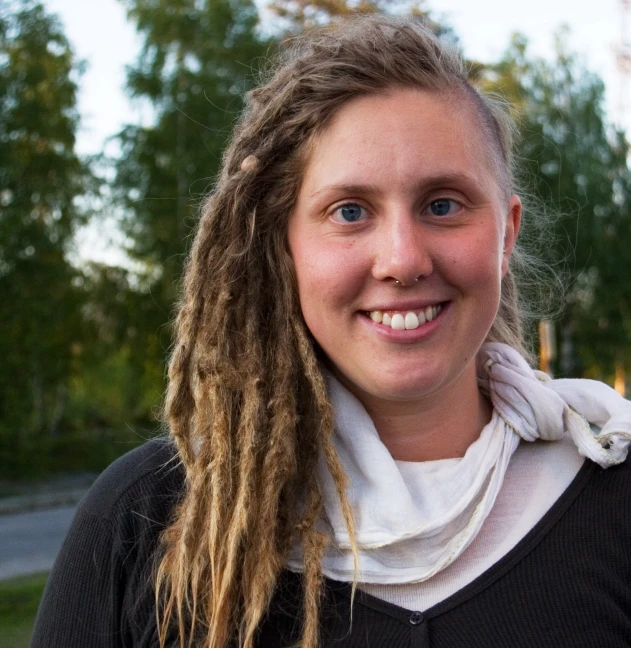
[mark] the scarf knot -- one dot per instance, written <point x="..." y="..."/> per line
<point x="595" y="416"/>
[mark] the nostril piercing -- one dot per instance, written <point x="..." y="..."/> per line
<point x="400" y="284"/>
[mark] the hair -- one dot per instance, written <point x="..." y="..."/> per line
<point x="247" y="405"/>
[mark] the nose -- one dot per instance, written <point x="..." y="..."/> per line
<point x="403" y="250"/>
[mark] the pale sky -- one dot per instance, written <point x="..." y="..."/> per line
<point x="101" y="35"/>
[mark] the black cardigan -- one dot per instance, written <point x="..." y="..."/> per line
<point x="567" y="584"/>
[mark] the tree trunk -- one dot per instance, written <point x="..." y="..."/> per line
<point x="58" y="413"/>
<point x="567" y="361"/>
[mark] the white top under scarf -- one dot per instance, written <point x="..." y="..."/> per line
<point x="538" y="474"/>
<point x="403" y="535"/>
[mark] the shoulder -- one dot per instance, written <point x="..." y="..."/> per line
<point x="99" y="592"/>
<point x="148" y="478"/>
<point x="613" y="484"/>
<point x="597" y="508"/>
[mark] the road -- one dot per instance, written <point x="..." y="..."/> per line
<point x="30" y="541"/>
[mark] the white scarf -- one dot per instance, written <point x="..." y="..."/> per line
<point x="402" y="535"/>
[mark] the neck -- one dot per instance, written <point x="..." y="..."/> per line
<point x="442" y="426"/>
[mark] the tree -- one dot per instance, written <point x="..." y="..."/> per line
<point x="197" y="60"/>
<point x="40" y="180"/>
<point x="194" y="67"/>
<point x="299" y="15"/>
<point x="116" y="383"/>
<point x="575" y="166"/>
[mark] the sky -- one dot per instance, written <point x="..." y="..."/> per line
<point x="101" y="35"/>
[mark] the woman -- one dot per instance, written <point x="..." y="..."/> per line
<point x="347" y="395"/>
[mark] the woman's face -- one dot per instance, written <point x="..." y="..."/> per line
<point x="402" y="187"/>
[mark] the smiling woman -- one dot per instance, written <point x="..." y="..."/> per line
<point x="359" y="453"/>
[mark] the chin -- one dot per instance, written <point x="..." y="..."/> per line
<point x="397" y="389"/>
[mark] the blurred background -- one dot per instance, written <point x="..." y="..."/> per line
<point x="114" y="114"/>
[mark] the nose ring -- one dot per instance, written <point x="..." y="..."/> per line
<point x="400" y="284"/>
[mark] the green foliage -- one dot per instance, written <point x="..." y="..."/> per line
<point x="195" y="65"/>
<point x="117" y="380"/>
<point x="87" y="449"/>
<point x="83" y="350"/>
<point x="196" y="62"/>
<point x="575" y="166"/>
<point x="40" y="178"/>
<point x="299" y="15"/>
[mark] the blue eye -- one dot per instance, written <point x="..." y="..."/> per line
<point x="350" y="213"/>
<point x="442" y="207"/>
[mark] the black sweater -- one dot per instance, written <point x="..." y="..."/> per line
<point x="567" y="584"/>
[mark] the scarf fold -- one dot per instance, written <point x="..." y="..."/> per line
<point x="414" y="519"/>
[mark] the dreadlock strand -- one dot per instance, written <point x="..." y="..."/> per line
<point x="242" y="513"/>
<point x="314" y="544"/>
<point x="326" y="428"/>
<point x="278" y="468"/>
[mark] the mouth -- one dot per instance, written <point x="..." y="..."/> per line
<point x="405" y="320"/>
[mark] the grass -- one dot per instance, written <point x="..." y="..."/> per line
<point x="19" y="599"/>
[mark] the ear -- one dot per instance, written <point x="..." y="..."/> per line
<point x="513" y="221"/>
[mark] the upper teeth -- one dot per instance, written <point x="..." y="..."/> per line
<point x="400" y="321"/>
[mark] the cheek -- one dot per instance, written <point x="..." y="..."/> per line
<point x="476" y="265"/>
<point x="330" y="275"/>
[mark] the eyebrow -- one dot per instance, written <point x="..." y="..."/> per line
<point x="426" y="184"/>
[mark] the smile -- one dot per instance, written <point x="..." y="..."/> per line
<point x="405" y="320"/>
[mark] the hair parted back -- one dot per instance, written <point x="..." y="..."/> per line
<point x="246" y="404"/>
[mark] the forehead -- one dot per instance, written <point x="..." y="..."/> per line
<point x="401" y="136"/>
